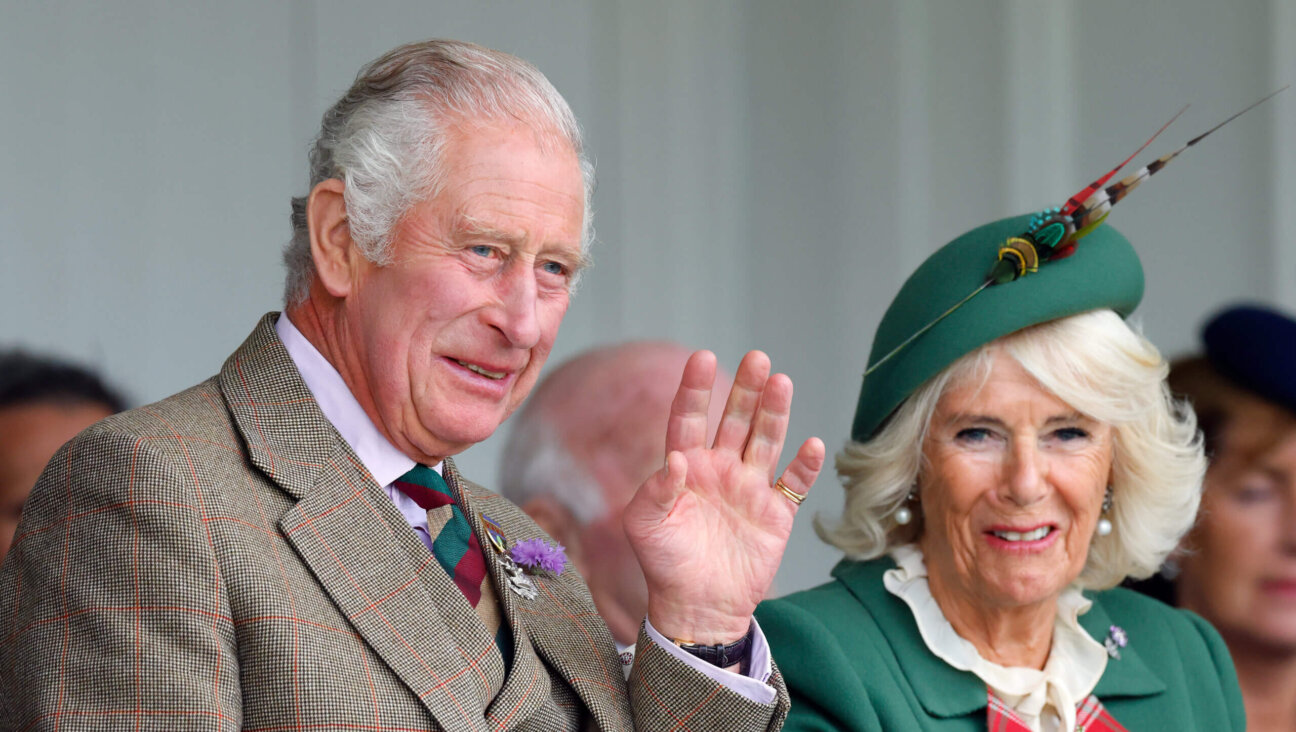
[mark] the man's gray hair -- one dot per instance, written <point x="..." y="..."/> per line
<point x="385" y="139"/>
<point x="536" y="464"/>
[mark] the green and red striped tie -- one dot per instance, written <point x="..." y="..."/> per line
<point x="455" y="546"/>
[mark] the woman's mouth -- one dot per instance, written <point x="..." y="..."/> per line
<point x="1021" y="538"/>
<point x="1032" y="535"/>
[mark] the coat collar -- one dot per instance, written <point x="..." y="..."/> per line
<point x="286" y="435"/>
<point x="947" y="692"/>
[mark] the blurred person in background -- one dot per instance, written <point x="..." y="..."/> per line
<point x="592" y="431"/>
<point x="1237" y="568"/>
<point x="43" y="404"/>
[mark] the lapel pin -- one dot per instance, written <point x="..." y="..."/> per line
<point x="1116" y="640"/>
<point x="517" y="580"/>
<point x="535" y="555"/>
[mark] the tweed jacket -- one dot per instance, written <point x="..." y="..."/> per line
<point x="854" y="660"/>
<point x="221" y="560"/>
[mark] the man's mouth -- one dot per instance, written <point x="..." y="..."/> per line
<point x="496" y="375"/>
<point x="1033" y="535"/>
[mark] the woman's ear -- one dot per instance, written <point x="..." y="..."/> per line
<point x="332" y="248"/>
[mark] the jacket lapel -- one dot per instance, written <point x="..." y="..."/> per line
<point x="560" y="625"/>
<point x="947" y="692"/>
<point x="344" y="528"/>
<point x="943" y="690"/>
<point x="1126" y="676"/>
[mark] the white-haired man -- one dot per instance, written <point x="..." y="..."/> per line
<point x="254" y="552"/>
<point x="591" y="432"/>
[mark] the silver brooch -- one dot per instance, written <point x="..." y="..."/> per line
<point x="1116" y="640"/>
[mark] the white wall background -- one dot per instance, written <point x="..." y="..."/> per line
<point x="769" y="171"/>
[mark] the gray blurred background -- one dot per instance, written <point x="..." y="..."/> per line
<point x="769" y="171"/>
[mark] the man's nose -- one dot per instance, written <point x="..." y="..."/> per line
<point x="515" y="314"/>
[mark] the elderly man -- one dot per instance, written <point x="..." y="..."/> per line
<point x="593" y="430"/>
<point x="288" y="546"/>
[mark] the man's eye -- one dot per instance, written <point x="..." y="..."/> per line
<point x="482" y="250"/>
<point x="554" y="268"/>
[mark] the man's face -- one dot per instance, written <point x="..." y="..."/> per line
<point x="30" y="434"/>
<point x="450" y="337"/>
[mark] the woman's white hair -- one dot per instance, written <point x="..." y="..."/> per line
<point x="1097" y="364"/>
<point x="386" y="137"/>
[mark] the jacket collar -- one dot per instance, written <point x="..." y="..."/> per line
<point x="287" y="436"/>
<point x="947" y="692"/>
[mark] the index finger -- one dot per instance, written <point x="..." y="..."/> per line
<point x="687" y="426"/>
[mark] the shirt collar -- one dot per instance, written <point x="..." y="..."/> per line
<point x="1075" y="664"/>
<point x="339" y="405"/>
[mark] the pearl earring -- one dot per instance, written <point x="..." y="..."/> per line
<point x="903" y="515"/>
<point x="1105" y="524"/>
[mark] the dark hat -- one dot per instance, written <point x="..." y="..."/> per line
<point x="1256" y="348"/>
<point x="1103" y="272"/>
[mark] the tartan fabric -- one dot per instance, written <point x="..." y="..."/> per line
<point x="221" y="560"/>
<point x="1091" y="716"/>
<point x="454" y="545"/>
<point x="457" y="550"/>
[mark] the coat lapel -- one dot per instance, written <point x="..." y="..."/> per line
<point x="344" y="528"/>
<point x="947" y="692"/>
<point x="943" y="690"/>
<point x="1127" y="676"/>
<point x="560" y="626"/>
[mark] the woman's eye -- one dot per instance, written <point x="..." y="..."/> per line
<point x="1253" y="493"/>
<point x="1067" y="434"/>
<point x="973" y="434"/>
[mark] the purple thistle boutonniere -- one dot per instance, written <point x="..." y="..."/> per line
<point x="537" y="554"/>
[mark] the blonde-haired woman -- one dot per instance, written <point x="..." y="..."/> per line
<point x="1014" y="456"/>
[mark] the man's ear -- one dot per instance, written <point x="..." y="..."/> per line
<point x="557" y="522"/>
<point x="330" y="237"/>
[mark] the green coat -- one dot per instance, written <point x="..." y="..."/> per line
<point x="853" y="660"/>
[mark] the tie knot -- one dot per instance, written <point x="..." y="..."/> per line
<point x="425" y="487"/>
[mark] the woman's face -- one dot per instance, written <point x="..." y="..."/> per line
<point x="1011" y="491"/>
<point x="1240" y="573"/>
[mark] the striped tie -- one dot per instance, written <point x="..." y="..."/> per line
<point x="455" y="545"/>
<point x="456" y="549"/>
<point x="1091" y="716"/>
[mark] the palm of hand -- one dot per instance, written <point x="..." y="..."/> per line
<point x="708" y="528"/>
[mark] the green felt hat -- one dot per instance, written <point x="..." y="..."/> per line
<point x="1103" y="272"/>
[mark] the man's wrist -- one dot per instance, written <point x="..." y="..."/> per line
<point x="721" y="655"/>
<point x="705" y="628"/>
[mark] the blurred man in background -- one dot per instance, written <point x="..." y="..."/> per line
<point x="590" y="434"/>
<point x="43" y="404"/>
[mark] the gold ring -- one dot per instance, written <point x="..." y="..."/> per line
<point x="792" y="495"/>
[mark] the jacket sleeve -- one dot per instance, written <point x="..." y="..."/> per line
<point x="666" y="694"/>
<point x="112" y="608"/>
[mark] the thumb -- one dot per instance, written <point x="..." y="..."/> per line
<point x="657" y="496"/>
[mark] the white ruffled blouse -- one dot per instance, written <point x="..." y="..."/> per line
<point x="1044" y="699"/>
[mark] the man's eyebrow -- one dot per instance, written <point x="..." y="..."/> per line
<point x="476" y="228"/>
